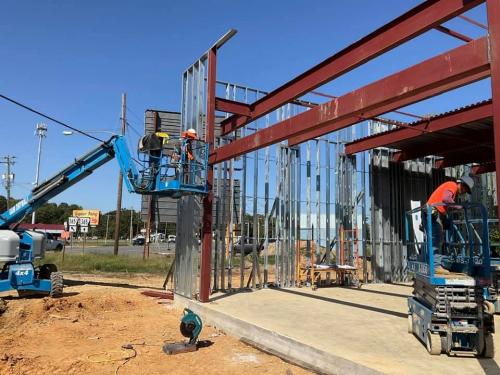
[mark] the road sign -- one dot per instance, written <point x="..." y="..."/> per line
<point x="84" y="229"/>
<point x="72" y="228"/>
<point x="84" y="221"/>
<point x="72" y="220"/>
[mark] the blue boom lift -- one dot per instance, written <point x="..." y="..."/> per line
<point x="158" y="172"/>
<point x="448" y="312"/>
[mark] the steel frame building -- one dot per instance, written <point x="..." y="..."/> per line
<point x="474" y="60"/>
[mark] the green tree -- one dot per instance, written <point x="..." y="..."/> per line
<point x="3" y="203"/>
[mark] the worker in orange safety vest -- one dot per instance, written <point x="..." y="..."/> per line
<point x="445" y="193"/>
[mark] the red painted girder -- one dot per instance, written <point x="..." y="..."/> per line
<point x="466" y="115"/>
<point x="483" y="168"/>
<point x="433" y="74"/>
<point x="230" y="106"/>
<point x="453" y="33"/>
<point x="416" y="21"/>
<point x="461" y="158"/>
<point x="295" y="140"/>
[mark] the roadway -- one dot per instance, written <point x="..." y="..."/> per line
<point x="123" y="249"/>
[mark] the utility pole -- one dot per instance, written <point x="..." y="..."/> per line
<point x="131" y="223"/>
<point x="120" y="180"/>
<point x="8" y="178"/>
<point x="107" y="227"/>
<point x="40" y="132"/>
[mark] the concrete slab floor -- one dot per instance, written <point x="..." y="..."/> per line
<point x="367" y="326"/>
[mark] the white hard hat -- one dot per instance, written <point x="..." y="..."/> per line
<point x="191" y="131"/>
<point x="468" y="181"/>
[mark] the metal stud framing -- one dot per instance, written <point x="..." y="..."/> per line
<point x="283" y="226"/>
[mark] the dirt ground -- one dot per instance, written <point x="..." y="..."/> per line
<point x="83" y="332"/>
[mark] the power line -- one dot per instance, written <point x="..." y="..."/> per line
<point x="49" y="117"/>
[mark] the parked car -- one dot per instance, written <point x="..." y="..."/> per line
<point x="171" y="238"/>
<point x="53" y="243"/>
<point x="138" y="241"/>
<point x="157" y="237"/>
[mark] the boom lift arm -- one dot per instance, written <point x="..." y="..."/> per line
<point x="151" y="178"/>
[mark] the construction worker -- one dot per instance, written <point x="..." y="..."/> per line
<point x="445" y="193"/>
<point x="189" y="136"/>
<point x="184" y="147"/>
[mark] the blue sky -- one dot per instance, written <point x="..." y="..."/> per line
<point x="73" y="59"/>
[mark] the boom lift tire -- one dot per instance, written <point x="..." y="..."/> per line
<point x="46" y="270"/>
<point x="57" y="284"/>
<point x="433" y="343"/>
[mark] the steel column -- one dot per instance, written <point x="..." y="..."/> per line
<point x="255" y="230"/>
<point x="298" y="237"/>
<point x="266" y="211"/>
<point x="308" y="203"/>
<point x="317" y="258"/>
<point x="206" y="250"/>
<point x="243" y="206"/>
<point x="493" y="10"/>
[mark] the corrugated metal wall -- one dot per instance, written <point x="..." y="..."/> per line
<point x="394" y="185"/>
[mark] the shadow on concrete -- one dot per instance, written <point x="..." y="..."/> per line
<point x="379" y="292"/>
<point x="345" y="303"/>
<point x="230" y="293"/>
<point x="489" y="366"/>
<point x="70" y="282"/>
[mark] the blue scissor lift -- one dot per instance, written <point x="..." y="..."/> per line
<point x="449" y="312"/>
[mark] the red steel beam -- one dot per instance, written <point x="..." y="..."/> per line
<point x="472" y="21"/>
<point x="493" y="11"/>
<point x="230" y="106"/>
<point x="483" y="168"/>
<point x="401" y="102"/>
<point x="453" y="33"/>
<point x="477" y="113"/>
<point x="206" y="249"/>
<point x="295" y="140"/>
<point x="416" y="21"/>
<point x="435" y="74"/>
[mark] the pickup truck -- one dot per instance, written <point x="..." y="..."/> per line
<point x="52" y="243"/>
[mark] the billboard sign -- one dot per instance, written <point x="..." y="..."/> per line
<point x="92" y="214"/>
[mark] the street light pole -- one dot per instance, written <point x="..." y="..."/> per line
<point x="40" y="132"/>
